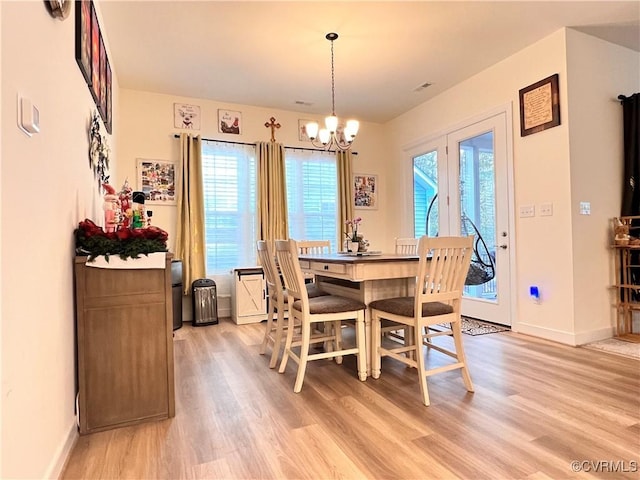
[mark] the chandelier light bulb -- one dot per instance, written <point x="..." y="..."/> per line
<point x="312" y="130"/>
<point x="331" y="122"/>
<point x="325" y="136"/>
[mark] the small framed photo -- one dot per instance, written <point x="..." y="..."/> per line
<point x="157" y="179"/>
<point x="186" y="116"/>
<point x="365" y="191"/>
<point x="539" y="106"/>
<point x="302" y="130"/>
<point x="229" y="122"/>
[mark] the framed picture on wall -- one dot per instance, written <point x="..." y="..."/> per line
<point x="157" y="179"/>
<point x="229" y="122"/>
<point x="302" y="130"/>
<point x="186" y="116"/>
<point x="107" y="123"/>
<point x="83" y="39"/>
<point x="365" y="191"/>
<point x="539" y="106"/>
<point x="95" y="56"/>
<point x="102" y="104"/>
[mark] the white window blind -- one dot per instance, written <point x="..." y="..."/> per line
<point x="229" y="180"/>
<point x="312" y="193"/>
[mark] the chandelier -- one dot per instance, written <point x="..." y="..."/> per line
<point x="330" y="135"/>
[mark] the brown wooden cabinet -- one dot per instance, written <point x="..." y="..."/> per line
<point x="124" y="345"/>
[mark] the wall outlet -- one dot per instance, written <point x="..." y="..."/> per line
<point x="527" y="211"/>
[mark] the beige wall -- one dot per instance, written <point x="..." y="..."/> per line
<point x="562" y="254"/>
<point x="46" y="189"/>
<point x="597" y="73"/>
<point x="147" y="131"/>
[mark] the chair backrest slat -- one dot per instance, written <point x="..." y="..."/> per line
<point x="287" y="255"/>
<point x="271" y="273"/>
<point x="407" y="246"/>
<point x="313" y="246"/>
<point x="443" y="267"/>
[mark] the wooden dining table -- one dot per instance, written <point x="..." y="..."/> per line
<point x="365" y="277"/>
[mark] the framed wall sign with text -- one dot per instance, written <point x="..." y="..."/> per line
<point x="539" y="106"/>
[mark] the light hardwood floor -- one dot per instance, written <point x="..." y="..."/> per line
<point x="537" y="407"/>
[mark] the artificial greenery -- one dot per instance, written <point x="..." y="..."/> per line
<point x="93" y="241"/>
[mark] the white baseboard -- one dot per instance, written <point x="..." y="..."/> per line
<point x="62" y="455"/>
<point x="567" y="338"/>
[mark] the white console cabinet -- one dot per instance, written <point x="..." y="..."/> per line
<point x="249" y="296"/>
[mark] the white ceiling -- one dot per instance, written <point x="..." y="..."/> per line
<point x="274" y="54"/>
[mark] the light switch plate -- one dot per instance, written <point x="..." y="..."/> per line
<point x="527" y="211"/>
<point x="546" y="209"/>
<point x="585" y="208"/>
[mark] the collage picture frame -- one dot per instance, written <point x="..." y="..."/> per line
<point x="365" y="191"/>
<point x="157" y="179"/>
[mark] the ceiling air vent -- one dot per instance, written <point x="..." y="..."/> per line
<point x="300" y="102"/>
<point x="419" y="88"/>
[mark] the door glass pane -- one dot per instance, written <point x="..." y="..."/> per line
<point x="478" y="213"/>
<point x="425" y="189"/>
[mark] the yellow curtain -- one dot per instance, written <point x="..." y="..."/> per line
<point x="272" y="192"/>
<point x="345" y="192"/>
<point x="190" y="245"/>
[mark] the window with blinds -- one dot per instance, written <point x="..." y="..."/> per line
<point x="312" y="195"/>
<point x="229" y="181"/>
<point x="229" y="175"/>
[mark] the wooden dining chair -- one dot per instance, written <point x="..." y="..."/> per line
<point x="443" y="266"/>
<point x="407" y="246"/>
<point x="403" y="246"/>
<point x="313" y="246"/>
<point x="329" y="310"/>
<point x="276" y="316"/>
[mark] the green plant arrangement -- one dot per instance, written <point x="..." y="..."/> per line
<point x="93" y="241"/>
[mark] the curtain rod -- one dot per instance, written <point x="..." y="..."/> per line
<point x="246" y="143"/>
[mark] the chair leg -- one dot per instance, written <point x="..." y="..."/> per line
<point x="277" y="341"/>
<point x="361" y="344"/>
<point x="375" y="344"/>
<point x="267" y="332"/>
<point x="287" y="346"/>
<point x="456" y="327"/>
<point x="304" y="355"/>
<point x="337" y="335"/>
<point x="422" y="371"/>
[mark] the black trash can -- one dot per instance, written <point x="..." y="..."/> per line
<point x="176" y="290"/>
<point x="205" y="302"/>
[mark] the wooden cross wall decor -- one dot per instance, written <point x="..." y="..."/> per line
<point x="273" y="125"/>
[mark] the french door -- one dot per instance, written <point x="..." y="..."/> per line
<point x="461" y="187"/>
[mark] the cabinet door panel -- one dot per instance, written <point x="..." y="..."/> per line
<point x="113" y="344"/>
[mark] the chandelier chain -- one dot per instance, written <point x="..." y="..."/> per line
<point x="333" y="85"/>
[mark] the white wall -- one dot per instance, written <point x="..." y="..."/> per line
<point x="548" y="249"/>
<point x="46" y="188"/>
<point x="597" y="73"/>
<point x="147" y="131"/>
